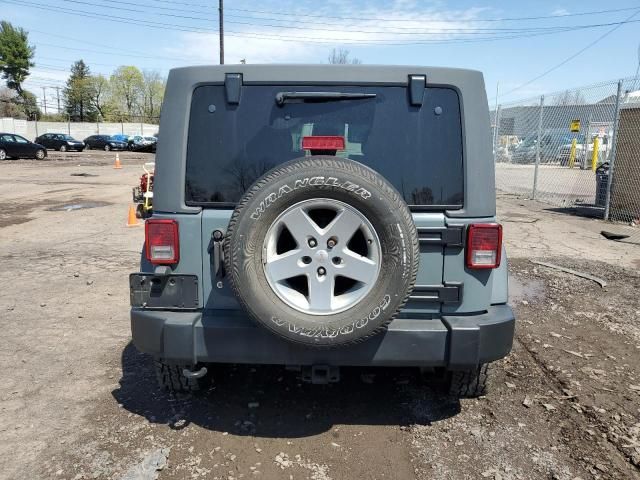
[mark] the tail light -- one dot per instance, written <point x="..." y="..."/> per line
<point x="323" y="142"/>
<point x="484" y="245"/>
<point x="161" y="238"/>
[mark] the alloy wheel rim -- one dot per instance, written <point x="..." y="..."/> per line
<point x="321" y="256"/>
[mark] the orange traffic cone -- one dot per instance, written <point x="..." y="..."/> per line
<point x="117" y="164"/>
<point x="132" y="221"/>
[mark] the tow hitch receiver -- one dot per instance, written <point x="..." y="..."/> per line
<point x="320" y="374"/>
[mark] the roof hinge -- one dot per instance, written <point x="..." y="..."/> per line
<point x="233" y="87"/>
<point x="417" y="84"/>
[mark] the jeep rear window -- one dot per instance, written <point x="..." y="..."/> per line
<point x="417" y="149"/>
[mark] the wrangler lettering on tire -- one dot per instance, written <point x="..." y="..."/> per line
<point x="322" y="251"/>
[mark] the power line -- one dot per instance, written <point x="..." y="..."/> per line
<point x="116" y="54"/>
<point x="172" y="15"/>
<point x="45" y="83"/>
<point x="504" y="19"/>
<point x="171" y="2"/>
<point x="171" y="9"/>
<point x="399" y="29"/>
<point x="112" y="18"/>
<point x="80" y="40"/>
<point x="41" y="77"/>
<point x="70" y="62"/>
<point x="51" y="67"/>
<point x="316" y="40"/>
<point x="439" y="30"/>
<point x="315" y="22"/>
<point x="297" y="14"/>
<point x="568" y="59"/>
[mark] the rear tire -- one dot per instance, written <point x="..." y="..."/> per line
<point x="3" y="154"/>
<point x="107" y="148"/>
<point x="469" y="383"/>
<point x="170" y="378"/>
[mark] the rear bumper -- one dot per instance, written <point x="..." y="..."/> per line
<point x="455" y="342"/>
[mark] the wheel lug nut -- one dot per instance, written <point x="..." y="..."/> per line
<point x="312" y="242"/>
<point x="331" y="243"/>
<point x="322" y="271"/>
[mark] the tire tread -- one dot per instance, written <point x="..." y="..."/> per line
<point x="170" y="377"/>
<point x="469" y="383"/>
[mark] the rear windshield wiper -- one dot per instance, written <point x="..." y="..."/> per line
<point x="301" y="97"/>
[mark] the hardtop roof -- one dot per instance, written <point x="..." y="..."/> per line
<point x="322" y="73"/>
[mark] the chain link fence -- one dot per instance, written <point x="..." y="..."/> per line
<point x="577" y="149"/>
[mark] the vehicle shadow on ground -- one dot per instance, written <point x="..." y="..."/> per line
<point x="268" y="401"/>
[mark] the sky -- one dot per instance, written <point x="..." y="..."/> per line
<point x="513" y="43"/>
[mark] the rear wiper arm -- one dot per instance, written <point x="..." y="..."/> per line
<point x="301" y="97"/>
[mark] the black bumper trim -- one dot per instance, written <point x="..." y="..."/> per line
<point x="178" y="292"/>
<point x="450" y="236"/>
<point x="450" y="292"/>
<point x="455" y="342"/>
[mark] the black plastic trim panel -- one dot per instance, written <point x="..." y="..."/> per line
<point x="450" y="292"/>
<point x="175" y="292"/>
<point x="450" y="236"/>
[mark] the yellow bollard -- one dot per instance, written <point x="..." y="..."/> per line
<point x="572" y="155"/>
<point x="594" y="155"/>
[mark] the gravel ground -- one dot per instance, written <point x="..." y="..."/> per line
<point x="556" y="184"/>
<point x="77" y="401"/>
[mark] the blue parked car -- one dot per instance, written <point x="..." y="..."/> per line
<point x="120" y="138"/>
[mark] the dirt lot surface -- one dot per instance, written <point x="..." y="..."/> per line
<point x="78" y="402"/>
<point x="554" y="181"/>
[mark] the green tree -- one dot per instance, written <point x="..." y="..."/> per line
<point x="99" y="94"/>
<point x="127" y="89"/>
<point x="15" y="56"/>
<point x="153" y="95"/>
<point x="30" y="105"/>
<point x="77" y="93"/>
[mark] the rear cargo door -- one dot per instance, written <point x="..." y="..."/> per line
<point x="411" y="136"/>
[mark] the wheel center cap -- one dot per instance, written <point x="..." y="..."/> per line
<point x="322" y="256"/>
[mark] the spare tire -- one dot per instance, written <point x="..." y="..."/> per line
<point x="322" y="251"/>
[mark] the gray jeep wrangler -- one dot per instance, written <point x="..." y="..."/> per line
<point x="323" y="216"/>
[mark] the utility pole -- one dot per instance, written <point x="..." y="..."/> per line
<point x="58" y="97"/>
<point x="221" y="29"/>
<point x="44" y="99"/>
<point x="495" y="127"/>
